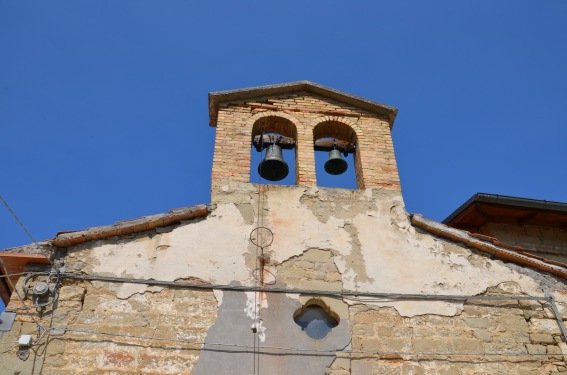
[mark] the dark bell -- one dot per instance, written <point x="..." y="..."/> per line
<point x="336" y="164"/>
<point x="273" y="167"/>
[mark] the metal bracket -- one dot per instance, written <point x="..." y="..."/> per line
<point x="6" y="321"/>
<point x="558" y="317"/>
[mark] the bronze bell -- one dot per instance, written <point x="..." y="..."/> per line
<point x="336" y="164"/>
<point x="273" y="167"/>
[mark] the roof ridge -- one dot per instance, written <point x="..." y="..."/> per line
<point x="142" y="224"/>
<point x="243" y="93"/>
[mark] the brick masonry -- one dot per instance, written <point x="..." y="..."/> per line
<point x="303" y="116"/>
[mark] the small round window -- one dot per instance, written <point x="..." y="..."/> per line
<point x="316" y="321"/>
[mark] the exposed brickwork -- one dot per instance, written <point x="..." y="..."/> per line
<point x="375" y="160"/>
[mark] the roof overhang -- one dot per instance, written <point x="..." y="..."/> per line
<point x="215" y="98"/>
<point x="482" y="208"/>
<point x="122" y="228"/>
<point x="491" y="246"/>
<point x="12" y="266"/>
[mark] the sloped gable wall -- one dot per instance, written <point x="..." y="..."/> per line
<point x="329" y="240"/>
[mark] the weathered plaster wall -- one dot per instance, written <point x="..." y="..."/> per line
<point x="324" y="239"/>
<point x="373" y="246"/>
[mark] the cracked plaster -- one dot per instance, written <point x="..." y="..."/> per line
<point x="374" y="246"/>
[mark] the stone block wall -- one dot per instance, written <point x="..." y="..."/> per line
<point x="488" y="337"/>
<point x="160" y="331"/>
<point x="97" y="333"/>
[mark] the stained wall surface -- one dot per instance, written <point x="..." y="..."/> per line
<point x="323" y="240"/>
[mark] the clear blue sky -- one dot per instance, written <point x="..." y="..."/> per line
<point x="103" y="104"/>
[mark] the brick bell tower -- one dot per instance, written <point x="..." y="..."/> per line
<point x="305" y="117"/>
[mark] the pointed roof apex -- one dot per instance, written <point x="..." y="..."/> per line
<point x="290" y="87"/>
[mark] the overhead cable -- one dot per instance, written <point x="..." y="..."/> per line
<point x="269" y="349"/>
<point x="338" y="294"/>
<point x="47" y="255"/>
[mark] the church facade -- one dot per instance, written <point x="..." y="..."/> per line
<point x="287" y="279"/>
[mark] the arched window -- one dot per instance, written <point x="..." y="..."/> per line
<point x="335" y="148"/>
<point x="281" y="132"/>
<point x="316" y="319"/>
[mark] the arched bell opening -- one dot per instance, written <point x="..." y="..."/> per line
<point x="273" y="156"/>
<point x="336" y="157"/>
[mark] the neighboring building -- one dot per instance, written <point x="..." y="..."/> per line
<point x="300" y="279"/>
<point x="529" y="225"/>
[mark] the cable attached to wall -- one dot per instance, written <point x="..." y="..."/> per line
<point x="47" y="255"/>
<point x="261" y="237"/>
<point x="255" y="325"/>
<point x="40" y="291"/>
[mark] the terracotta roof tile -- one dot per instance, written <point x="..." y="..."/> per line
<point x="497" y="249"/>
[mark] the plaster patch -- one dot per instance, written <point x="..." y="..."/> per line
<point x="258" y="327"/>
<point x="127" y="290"/>
<point x="355" y="259"/>
<point x="251" y="308"/>
<point x="399" y="217"/>
<point x="349" y="279"/>
<point x="200" y="249"/>
<point x="233" y="326"/>
<point x="293" y="296"/>
<point x="340" y="263"/>
<point x="154" y="289"/>
<point x="122" y="306"/>
<point x="294" y="224"/>
<point x="409" y="309"/>
<point x="218" y="296"/>
<point x="399" y="262"/>
<point x="247" y="212"/>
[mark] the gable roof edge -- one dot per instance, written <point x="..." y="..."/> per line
<point x="121" y="228"/>
<point x="506" y="200"/>
<point x="222" y="96"/>
<point x="498" y="252"/>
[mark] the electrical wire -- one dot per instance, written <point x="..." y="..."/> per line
<point x="268" y="349"/>
<point x="294" y="350"/>
<point x="38" y="305"/>
<point x="15" y="274"/>
<point x="256" y="307"/>
<point x="54" y="299"/>
<point x="40" y="328"/>
<point x="327" y="293"/>
<point x="47" y="255"/>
